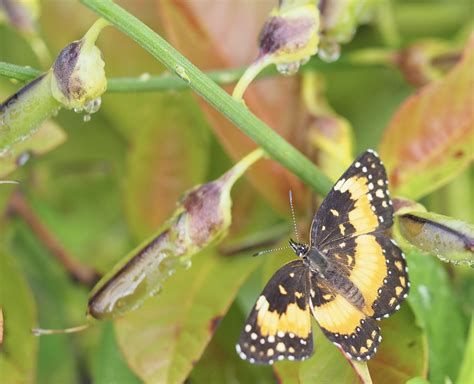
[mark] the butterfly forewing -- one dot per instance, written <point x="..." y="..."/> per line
<point x="279" y="326"/>
<point x="359" y="203"/>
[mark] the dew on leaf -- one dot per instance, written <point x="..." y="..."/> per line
<point x="181" y="72"/>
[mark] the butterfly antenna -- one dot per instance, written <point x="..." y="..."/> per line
<point x="270" y="250"/>
<point x="290" y="195"/>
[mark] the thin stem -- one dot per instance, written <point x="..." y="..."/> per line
<point x="249" y="75"/>
<point x="18" y="72"/>
<point x="167" y="81"/>
<point x="269" y="140"/>
<point x="41" y="331"/>
<point x="82" y="273"/>
<point x="142" y="83"/>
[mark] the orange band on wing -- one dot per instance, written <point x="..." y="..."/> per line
<point x="293" y="320"/>
<point x="370" y="269"/>
<point x="338" y="316"/>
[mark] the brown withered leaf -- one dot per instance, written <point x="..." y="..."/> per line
<point x="223" y="35"/>
<point x="429" y="140"/>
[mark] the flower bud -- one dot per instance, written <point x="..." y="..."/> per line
<point x="427" y="60"/>
<point x="290" y="35"/>
<point x="22" y="14"/>
<point x="78" y="72"/>
<point x="449" y="239"/>
<point x="202" y="218"/>
<point x="289" y="38"/>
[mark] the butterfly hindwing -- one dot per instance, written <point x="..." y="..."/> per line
<point x="343" y="323"/>
<point x="396" y="285"/>
<point x="359" y="203"/>
<point x="279" y="326"/>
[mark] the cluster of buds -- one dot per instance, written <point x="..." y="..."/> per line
<point x="202" y="218"/>
<point x="427" y="60"/>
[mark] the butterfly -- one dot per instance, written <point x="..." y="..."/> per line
<point x="350" y="275"/>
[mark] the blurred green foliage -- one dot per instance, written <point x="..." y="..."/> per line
<point x="116" y="178"/>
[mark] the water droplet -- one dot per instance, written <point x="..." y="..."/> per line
<point x="171" y="272"/>
<point x="55" y="112"/>
<point x="5" y="152"/>
<point x="144" y="76"/>
<point x="156" y="291"/>
<point x="288" y="69"/>
<point x="186" y="263"/>
<point x="23" y="158"/>
<point x="181" y="72"/>
<point x="78" y="109"/>
<point x="305" y="60"/>
<point x="329" y="51"/>
<point x="92" y="106"/>
<point x="86" y="118"/>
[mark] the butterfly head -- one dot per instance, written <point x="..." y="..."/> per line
<point x="298" y="248"/>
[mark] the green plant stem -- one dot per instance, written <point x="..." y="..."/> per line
<point x="18" y="72"/>
<point x="270" y="141"/>
<point x="168" y="81"/>
<point x="143" y="83"/>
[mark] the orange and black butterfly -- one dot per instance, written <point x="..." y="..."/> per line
<point x="349" y="276"/>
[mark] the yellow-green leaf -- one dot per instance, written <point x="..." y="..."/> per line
<point x="162" y="340"/>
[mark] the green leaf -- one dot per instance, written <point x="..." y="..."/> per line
<point x="47" y="137"/>
<point x="438" y="313"/>
<point x="167" y="157"/>
<point x="403" y="352"/>
<point x="60" y="303"/>
<point x="327" y="365"/>
<point x="417" y="380"/>
<point x="109" y="365"/>
<point x="449" y="239"/>
<point x="429" y="140"/>
<point x="220" y="363"/>
<point x="466" y="374"/>
<point x="163" y="339"/>
<point x="19" y="348"/>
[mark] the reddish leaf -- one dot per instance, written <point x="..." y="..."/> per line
<point x="198" y="29"/>
<point x="429" y="140"/>
<point x="167" y="157"/>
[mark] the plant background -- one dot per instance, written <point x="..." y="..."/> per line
<point x="115" y="179"/>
